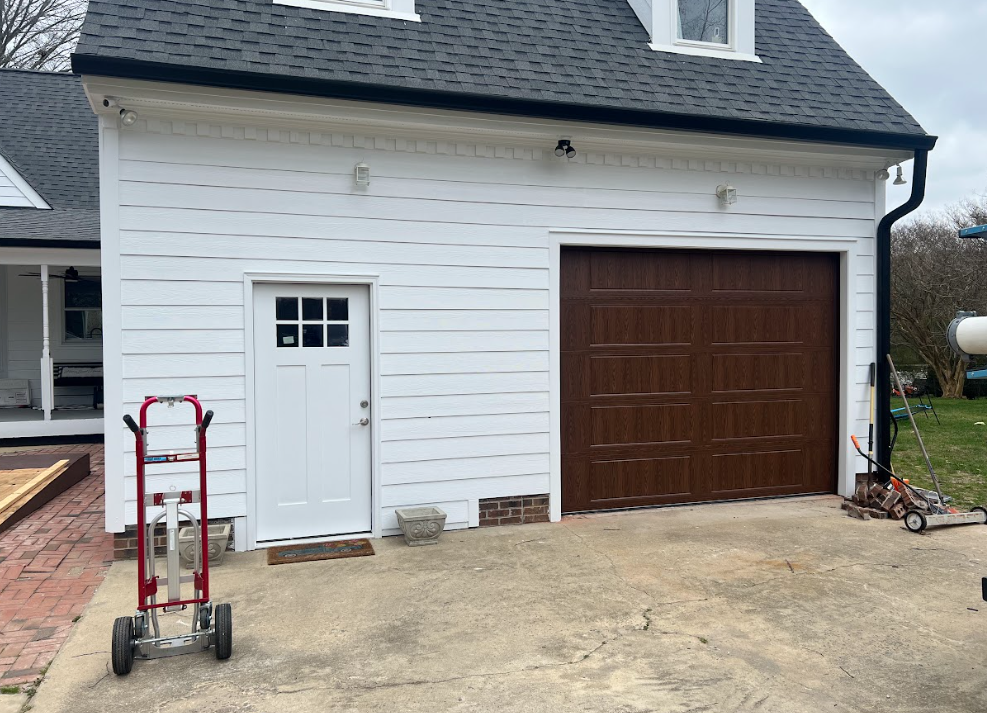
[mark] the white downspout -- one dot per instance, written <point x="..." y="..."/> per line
<point x="47" y="378"/>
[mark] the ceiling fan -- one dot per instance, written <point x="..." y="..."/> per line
<point x="70" y="275"/>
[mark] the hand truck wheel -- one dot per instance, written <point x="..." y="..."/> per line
<point x="224" y="631"/>
<point x="205" y="618"/>
<point x="915" y="521"/>
<point x="123" y="645"/>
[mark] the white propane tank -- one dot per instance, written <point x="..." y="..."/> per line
<point x="967" y="334"/>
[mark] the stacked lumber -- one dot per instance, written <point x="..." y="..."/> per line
<point x="18" y="487"/>
<point x="879" y="502"/>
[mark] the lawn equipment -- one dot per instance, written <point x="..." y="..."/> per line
<point x="140" y="636"/>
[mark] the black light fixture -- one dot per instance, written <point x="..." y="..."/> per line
<point x="565" y="149"/>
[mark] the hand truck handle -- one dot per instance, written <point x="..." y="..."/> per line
<point x="131" y="424"/>
<point x="206" y="420"/>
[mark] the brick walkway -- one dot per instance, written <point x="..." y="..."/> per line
<point x="50" y="565"/>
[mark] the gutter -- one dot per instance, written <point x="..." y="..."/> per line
<point x="883" y="401"/>
<point x="505" y="106"/>
<point x="43" y="243"/>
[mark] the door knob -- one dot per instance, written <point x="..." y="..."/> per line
<point x="362" y="422"/>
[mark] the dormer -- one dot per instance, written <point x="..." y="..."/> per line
<point x="394" y="9"/>
<point x="705" y="28"/>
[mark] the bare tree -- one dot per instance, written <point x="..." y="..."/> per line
<point x="934" y="274"/>
<point x="39" y="34"/>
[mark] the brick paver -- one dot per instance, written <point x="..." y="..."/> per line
<point x="50" y="566"/>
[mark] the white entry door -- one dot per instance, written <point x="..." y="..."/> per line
<point x="312" y="386"/>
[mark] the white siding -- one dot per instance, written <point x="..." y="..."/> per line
<point x="461" y="245"/>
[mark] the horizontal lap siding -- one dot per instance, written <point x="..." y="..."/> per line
<point x="461" y="247"/>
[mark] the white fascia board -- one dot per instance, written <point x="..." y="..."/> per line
<point x="31" y="195"/>
<point x="165" y="101"/>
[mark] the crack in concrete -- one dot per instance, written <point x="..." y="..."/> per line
<point x="829" y="571"/>
<point x="613" y="565"/>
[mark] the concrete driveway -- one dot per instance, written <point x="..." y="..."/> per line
<point x="779" y="606"/>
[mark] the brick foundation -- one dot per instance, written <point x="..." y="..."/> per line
<point x="515" y="510"/>
<point x="125" y="543"/>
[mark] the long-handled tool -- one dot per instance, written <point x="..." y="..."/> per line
<point x="870" y="428"/>
<point x="139" y="636"/>
<point x="918" y="435"/>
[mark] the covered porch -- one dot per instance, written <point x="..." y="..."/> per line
<point x="51" y="347"/>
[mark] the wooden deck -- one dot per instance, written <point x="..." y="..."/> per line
<point x="28" y="481"/>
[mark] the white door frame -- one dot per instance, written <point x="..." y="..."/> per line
<point x="846" y="248"/>
<point x="371" y="282"/>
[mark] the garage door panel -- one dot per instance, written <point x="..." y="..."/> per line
<point x="641" y="324"/>
<point x="693" y="376"/>
<point x="756" y="420"/>
<point x="759" y="372"/>
<point x="658" y="424"/>
<point x="757" y="273"/>
<point x="641" y="478"/>
<point x="621" y="270"/>
<point x="755" y="324"/>
<point x="613" y="375"/>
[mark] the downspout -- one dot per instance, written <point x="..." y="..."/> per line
<point x="883" y="402"/>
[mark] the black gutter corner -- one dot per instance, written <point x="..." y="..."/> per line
<point x="883" y="400"/>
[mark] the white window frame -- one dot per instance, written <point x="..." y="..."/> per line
<point x="663" y="24"/>
<point x="393" y="9"/>
<point x="92" y="347"/>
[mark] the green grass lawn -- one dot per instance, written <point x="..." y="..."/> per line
<point x="958" y="450"/>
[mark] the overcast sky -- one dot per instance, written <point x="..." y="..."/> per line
<point x="931" y="57"/>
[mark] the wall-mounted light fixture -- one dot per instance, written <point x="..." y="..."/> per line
<point x="565" y="149"/>
<point x="128" y="117"/>
<point x="361" y="174"/>
<point x="727" y="194"/>
<point x="883" y="175"/>
<point x="900" y="180"/>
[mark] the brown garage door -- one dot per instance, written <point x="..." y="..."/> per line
<point x="695" y="376"/>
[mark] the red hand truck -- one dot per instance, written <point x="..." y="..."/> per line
<point x="139" y="636"/>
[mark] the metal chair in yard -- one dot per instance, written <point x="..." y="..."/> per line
<point x="918" y="390"/>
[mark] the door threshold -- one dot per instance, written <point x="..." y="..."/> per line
<point x="314" y="540"/>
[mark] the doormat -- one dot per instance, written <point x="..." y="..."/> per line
<point x="319" y="551"/>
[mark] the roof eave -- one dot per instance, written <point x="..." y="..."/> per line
<point x="306" y="86"/>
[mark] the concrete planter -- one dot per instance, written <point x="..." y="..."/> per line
<point x="219" y="538"/>
<point x="421" y="526"/>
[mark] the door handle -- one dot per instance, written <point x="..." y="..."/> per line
<point x="362" y="422"/>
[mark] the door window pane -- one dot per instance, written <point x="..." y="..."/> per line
<point x="338" y="335"/>
<point x="704" y="20"/>
<point x="312" y="334"/>
<point x="287" y="335"/>
<point x="75" y="324"/>
<point x="312" y="309"/>
<point x="286" y="307"/>
<point x="338" y="309"/>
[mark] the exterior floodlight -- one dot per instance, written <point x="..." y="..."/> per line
<point x="977" y="231"/>
<point x="883" y="175"/>
<point x="565" y="149"/>
<point x="900" y="180"/>
<point x="727" y="194"/>
<point x="128" y="117"/>
<point x="362" y="174"/>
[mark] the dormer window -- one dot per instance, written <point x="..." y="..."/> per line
<point x="705" y="21"/>
<point x="394" y="9"/>
<point x="706" y="28"/>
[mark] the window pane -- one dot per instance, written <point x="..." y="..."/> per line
<point x="704" y="20"/>
<point x="312" y="309"/>
<point x="75" y="325"/>
<point x="312" y="334"/>
<point x="338" y="335"/>
<point x="84" y="293"/>
<point x="338" y="309"/>
<point x="287" y="335"/>
<point x="286" y="307"/>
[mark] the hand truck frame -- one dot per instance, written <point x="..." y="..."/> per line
<point x="140" y="636"/>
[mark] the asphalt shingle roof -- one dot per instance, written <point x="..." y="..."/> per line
<point x="584" y="53"/>
<point x="48" y="133"/>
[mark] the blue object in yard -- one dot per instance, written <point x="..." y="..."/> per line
<point x="977" y="231"/>
<point x="977" y="374"/>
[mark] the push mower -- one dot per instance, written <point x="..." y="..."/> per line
<point x="140" y="636"/>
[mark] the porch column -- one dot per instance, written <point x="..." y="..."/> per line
<point x="47" y="378"/>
